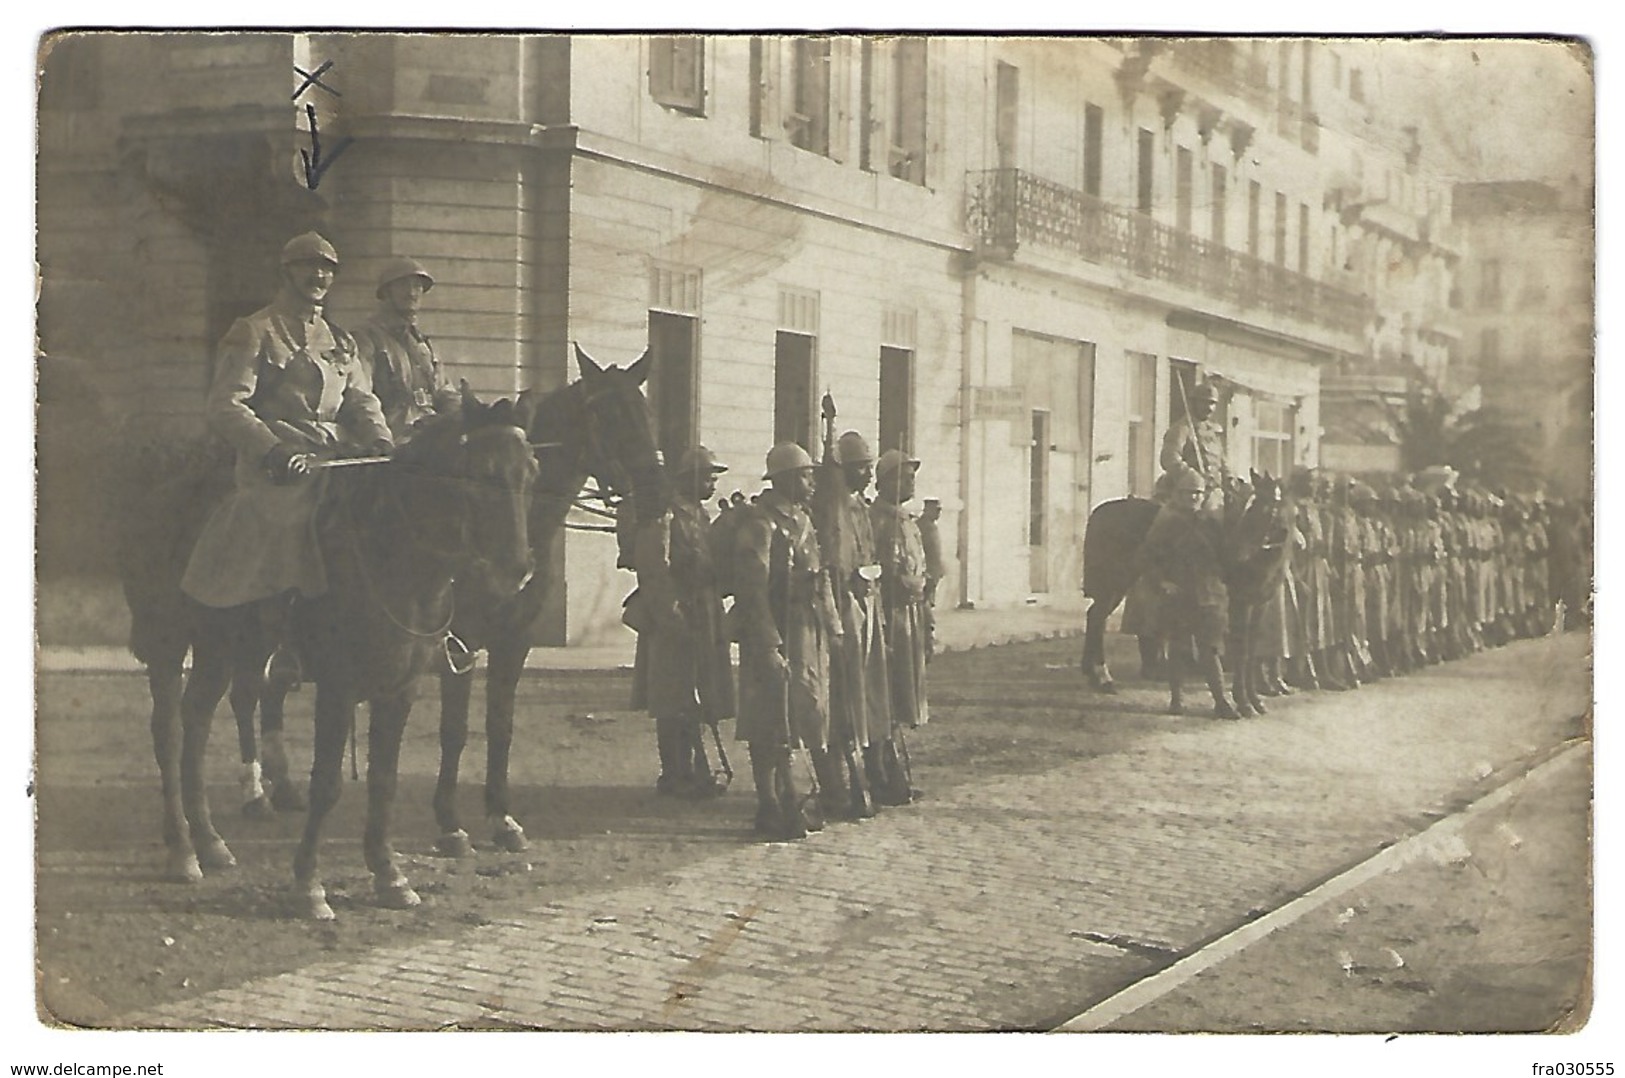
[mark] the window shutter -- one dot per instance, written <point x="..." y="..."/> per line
<point x="840" y="96"/>
<point x="660" y="67"/>
<point x="936" y="109"/>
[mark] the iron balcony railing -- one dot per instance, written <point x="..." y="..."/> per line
<point x="1010" y="207"/>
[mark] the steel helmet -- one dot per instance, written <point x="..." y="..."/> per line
<point x="396" y="268"/>
<point x="852" y="449"/>
<point x="1205" y="391"/>
<point x="309" y="247"/>
<point x="786" y="457"/>
<point x="697" y="460"/>
<point x="893" y="459"/>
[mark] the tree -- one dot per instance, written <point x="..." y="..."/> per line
<point x="1481" y="444"/>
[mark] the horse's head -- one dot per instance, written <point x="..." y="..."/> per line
<point x="477" y="456"/>
<point x="1259" y="514"/>
<point x="602" y="425"/>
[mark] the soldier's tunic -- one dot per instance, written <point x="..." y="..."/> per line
<point x="1312" y="573"/>
<point x="1201" y="448"/>
<point x="1378" y="563"/>
<point x="405" y="372"/>
<point x="1276" y="634"/>
<point x="1182" y="554"/>
<point x="285" y="380"/>
<point x="1348" y="542"/>
<point x="682" y="667"/>
<point x="903" y="577"/>
<point x="859" y="690"/>
<point x="782" y="603"/>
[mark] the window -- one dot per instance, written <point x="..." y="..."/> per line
<point x="677" y="72"/>
<point x="909" y="102"/>
<point x="1272" y="437"/>
<point x="1489" y="283"/>
<point x="1255" y="195"/>
<point x="794" y="356"/>
<point x="1007" y="105"/>
<point x="1303" y="238"/>
<point x="867" y="120"/>
<point x="1142" y="412"/>
<point x="1216" y="226"/>
<point x="1143" y="173"/>
<point x="1280" y="229"/>
<point x="809" y="104"/>
<point x="1184" y="168"/>
<point x="674" y="375"/>
<point x="1094" y="121"/>
<point x="896" y="399"/>
<point x="758" y="84"/>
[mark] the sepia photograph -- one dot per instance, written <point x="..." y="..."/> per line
<point x="814" y="532"/>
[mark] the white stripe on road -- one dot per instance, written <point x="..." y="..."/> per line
<point x="1139" y="994"/>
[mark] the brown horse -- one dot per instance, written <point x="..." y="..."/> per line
<point x="596" y="427"/>
<point x="451" y="503"/>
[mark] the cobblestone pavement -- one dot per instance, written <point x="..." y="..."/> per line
<point x="1012" y="903"/>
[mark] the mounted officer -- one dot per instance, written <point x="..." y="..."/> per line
<point x="406" y="374"/>
<point x="289" y="390"/>
<point x="1195" y="440"/>
<point x="683" y="674"/>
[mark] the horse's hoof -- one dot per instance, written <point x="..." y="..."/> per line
<point x="259" y="808"/>
<point x="216" y="855"/>
<point x="314" y="903"/>
<point x="397" y="895"/>
<point x="508" y="836"/>
<point x="288" y="797"/>
<point x="184" y="868"/>
<point x="454" y="844"/>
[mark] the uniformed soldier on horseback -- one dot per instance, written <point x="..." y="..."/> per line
<point x="1195" y="440"/>
<point x="289" y="390"/>
<point x="406" y="373"/>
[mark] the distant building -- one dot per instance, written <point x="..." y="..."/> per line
<point x="1006" y="255"/>
<point x="1527" y="301"/>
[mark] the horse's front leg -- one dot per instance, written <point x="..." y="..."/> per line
<point x="1240" y="660"/>
<point x="1094" y="643"/>
<point x="455" y="691"/>
<point x="505" y="666"/>
<point x="385" y="726"/>
<point x="211" y="674"/>
<point x="335" y="712"/>
<point x="164" y="682"/>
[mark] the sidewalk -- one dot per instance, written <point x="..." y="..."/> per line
<point x="957" y="630"/>
<point x="1009" y="903"/>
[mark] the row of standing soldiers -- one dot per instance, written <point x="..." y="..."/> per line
<point x="1382" y="583"/>
<point x="832" y="596"/>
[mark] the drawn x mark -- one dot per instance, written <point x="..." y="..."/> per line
<point x="314" y="78"/>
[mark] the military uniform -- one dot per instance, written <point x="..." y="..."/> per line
<point x="290" y="382"/>
<point x="406" y="374"/>
<point x="683" y="672"/>
<point x="1201" y="447"/>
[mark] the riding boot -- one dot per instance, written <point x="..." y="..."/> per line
<point x="833" y="796"/>
<point x="793" y="822"/>
<point x="670" y="740"/>
<point x="763" y="771"/>
<point x="862" y="802"/>
<point x="284" y="673"/>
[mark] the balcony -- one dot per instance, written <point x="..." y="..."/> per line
<point x="1226" y="65"/>
<point x="1010" y="207"/>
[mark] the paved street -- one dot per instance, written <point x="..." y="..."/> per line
<point x="1015" y="902"/>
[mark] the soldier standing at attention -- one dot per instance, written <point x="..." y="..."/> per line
<point x="785" y="618"/>
<point x="406" y="376"/>
<point x="931" y="539"/>
<point x="289" y="390"/>
<point x="1196" y="440"/>
<point x="858" y="691"/>
<point x="683" y="674"/>
<point x="904" y="576"/>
